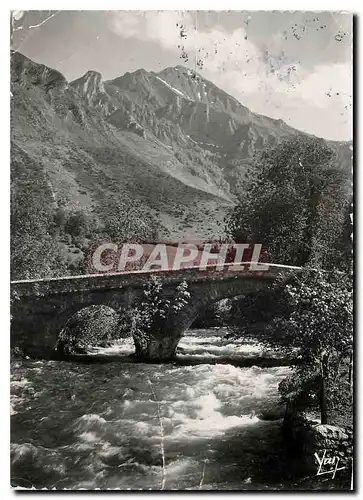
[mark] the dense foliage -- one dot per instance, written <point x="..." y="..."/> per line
<point x="214" y="315"/>
<point x="314" y="323"/>
<point x="296" y="204"/>
<point x="319" y="326"/>
<point x="92" y="326"/>
<point x="34" y="253"/>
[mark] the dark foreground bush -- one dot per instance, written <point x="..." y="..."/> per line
<point x="90" y="327"/>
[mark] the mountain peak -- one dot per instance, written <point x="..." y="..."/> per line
<point x="91" y="73"/>
<point x="181" y="71"/>
<point x="89" y="85"/>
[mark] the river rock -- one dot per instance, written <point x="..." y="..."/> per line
<point x="273" y="414"/>
<point x="328" y="433"/>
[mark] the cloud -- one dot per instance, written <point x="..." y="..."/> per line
<point x="157" y="26"/>
<point x="318" y="100"/>
<point x="176" y="29"/>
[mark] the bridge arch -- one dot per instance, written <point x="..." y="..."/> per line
<point x="35" y="329"/>
<point x="90" y="325"/>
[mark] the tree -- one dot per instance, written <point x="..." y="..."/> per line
<point x="34" y="253"/>
<point x="59" y="220"/>
<point x="317" y="328"/>
<point x="151" y="318"/>
<point x="296" y="203"/>
<point x="253" y="311"/>
<point x="77" y="224"/>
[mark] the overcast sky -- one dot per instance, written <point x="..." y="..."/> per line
<point x="291" y="65"/>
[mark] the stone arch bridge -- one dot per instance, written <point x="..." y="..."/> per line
<point x="41" y="307"/>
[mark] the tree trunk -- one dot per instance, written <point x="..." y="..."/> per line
<point x="350" y="369"/>
<point x="156" y="349"/>
<point x="323" y="402"/>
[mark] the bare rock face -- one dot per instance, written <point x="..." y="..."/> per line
<point x="25" y="72"/>
<point x="136" y="128"/>
<point x="90" y="87"/>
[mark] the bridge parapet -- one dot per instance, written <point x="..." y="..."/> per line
<point x="67" y="284"/>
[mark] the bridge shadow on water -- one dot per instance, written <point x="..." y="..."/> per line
<point x="197" y="347"/>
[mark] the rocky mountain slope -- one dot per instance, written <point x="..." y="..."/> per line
<point x="162" y="152"/>
<point x="208" y="130"/>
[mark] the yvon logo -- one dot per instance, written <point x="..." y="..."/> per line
<point x="327" y="465"/>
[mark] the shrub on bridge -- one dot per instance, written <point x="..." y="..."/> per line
<point x="151" y="316"/>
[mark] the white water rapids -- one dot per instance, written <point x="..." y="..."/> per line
<point x="147" y="426"/>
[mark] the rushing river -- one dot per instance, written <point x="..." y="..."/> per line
<point x="148" y="426"/>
